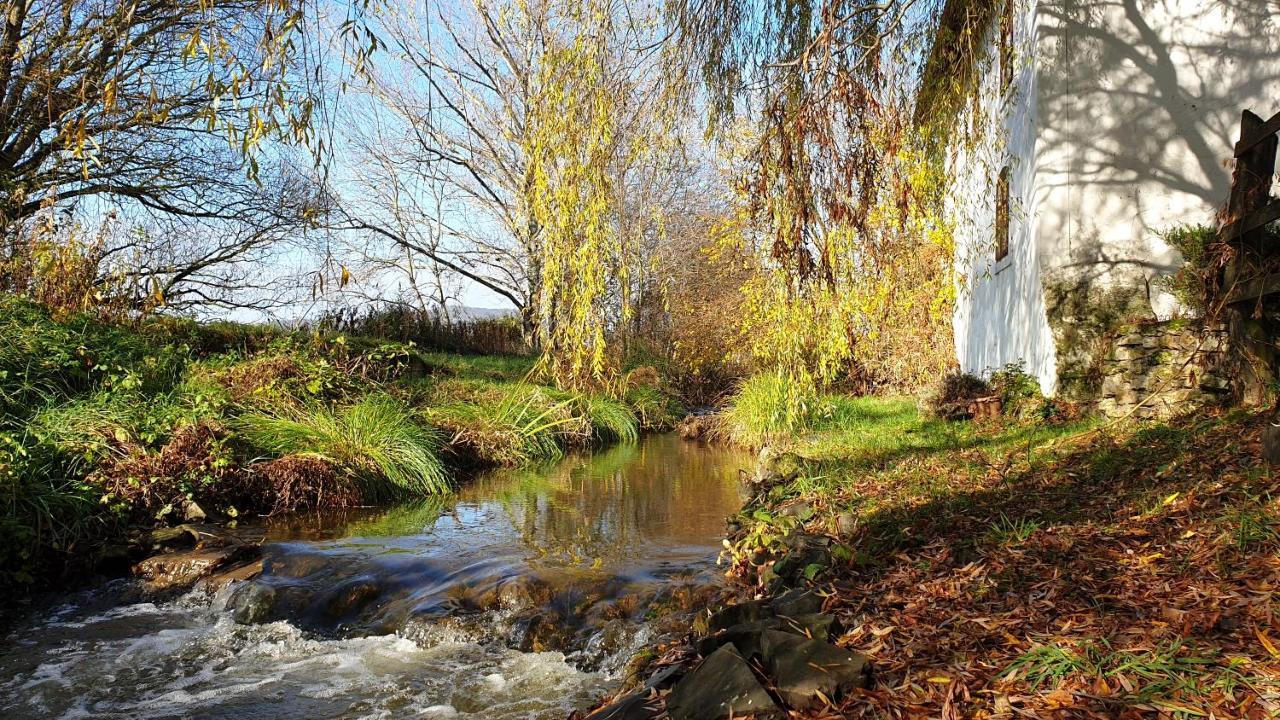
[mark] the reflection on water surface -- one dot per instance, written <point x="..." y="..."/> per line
<point x="519" y="597"/>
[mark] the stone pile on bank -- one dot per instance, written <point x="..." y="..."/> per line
<point x="760" y="659"/>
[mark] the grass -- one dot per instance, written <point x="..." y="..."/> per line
<point x="1011" y="531"/>
<point x="609" y="420"/>
<point x="514" y="426"/>
<point x="765" y="409"/>
<point x="104" y="427"/>
<point x="375" y="440"/>
<point x="1038" y="569"/>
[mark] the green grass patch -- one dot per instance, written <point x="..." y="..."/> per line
<point x="375" y="440"/>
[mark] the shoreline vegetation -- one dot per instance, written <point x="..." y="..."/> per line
<point x="108" y="431"/>
<point x="1041" y="563"/>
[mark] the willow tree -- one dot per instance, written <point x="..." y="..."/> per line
<point x="602" y="144"/>
<point x="515" y="144"/>
<point x="571" y="150"/>
<point x="838" y="192"/>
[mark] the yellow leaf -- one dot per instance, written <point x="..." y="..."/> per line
<point x="1266" y="642"/>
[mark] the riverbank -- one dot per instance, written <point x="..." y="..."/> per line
<point x="108" y="432"/>
<point x="1005" y="569"/>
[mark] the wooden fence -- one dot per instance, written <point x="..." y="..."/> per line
<point x="1251" y="207"/>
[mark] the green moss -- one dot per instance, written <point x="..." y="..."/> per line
<point x="1086" y="321"/>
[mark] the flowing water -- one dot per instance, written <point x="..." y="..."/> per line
<point x="522" y="596"/>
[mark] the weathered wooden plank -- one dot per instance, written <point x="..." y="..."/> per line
<point x="1255" y="220"/>
<point x="1268" y="128"/>
<point x="1254" y="288"/>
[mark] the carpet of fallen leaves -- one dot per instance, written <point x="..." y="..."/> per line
<point x="1129" y="573"/>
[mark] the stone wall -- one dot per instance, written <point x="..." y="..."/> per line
<point x="1158" y="370"/>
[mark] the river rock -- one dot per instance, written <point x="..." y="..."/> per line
<point x="791" y="567"/>
<point x="721" y="687"/>
<point x="773" y="467"/>
<point x="352" y="597"/>
<point x="801" y="668"/>
<point x="815" y="625"/>
<point x="797" y="602"/>
<point x="665" y="677"/>
<point x="227" y="576"/>
<point x="637" y="706"/>
<point x="731" y="615"/>
<point x="179" y="570"/>
<point x="252" y="603"/>
<point x="744" y="637"/>
<point x="543" y="631"/>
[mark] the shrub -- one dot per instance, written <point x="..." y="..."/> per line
<point x="194" y="465"/>
<point x="47" y="517"/>
<point x="1019" y="393"/>
<point x="42" y="360"/>
<point x="1189" y="283"/>
<point x="654" y="409"/>
<point x="374" y="441"/>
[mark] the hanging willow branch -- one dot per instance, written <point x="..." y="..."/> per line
<point x="838" y="183"/>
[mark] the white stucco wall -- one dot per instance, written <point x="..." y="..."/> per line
<point x="1000" y="315"/>
<point x="1123" y="125"/>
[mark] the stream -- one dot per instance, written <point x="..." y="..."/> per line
<point x="524" y="596"/>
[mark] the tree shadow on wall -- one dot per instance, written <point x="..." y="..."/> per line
<point x="1142" y="99"/>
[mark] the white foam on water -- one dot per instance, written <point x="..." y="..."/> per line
<point x="184" y="659"/>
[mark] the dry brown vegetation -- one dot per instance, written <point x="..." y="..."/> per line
<point x="1125" y="573"/>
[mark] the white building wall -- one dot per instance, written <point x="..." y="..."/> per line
<point x="1122" y="127"/>
<point x="1000" y="314"/>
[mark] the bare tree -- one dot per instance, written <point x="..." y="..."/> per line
<point x="446" y="124"/>
<point x="130" y="98"/>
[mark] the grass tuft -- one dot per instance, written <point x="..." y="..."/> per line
<point x="376" y="441"/>
<point x="765" y="408"/>
<point x="610" y="420"/>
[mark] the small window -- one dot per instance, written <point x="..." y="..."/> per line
<point x="1006" y="44"/>
<point x="1002" y="215"/>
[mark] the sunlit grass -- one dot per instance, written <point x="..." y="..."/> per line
<point x="375" y="440"/>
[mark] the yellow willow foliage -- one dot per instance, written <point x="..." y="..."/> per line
<point x="575" y="145"/>
<point x="571" y="148"/>
<point x="879" y="314"/>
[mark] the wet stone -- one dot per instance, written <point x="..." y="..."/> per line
<point x="803" y="670"/>
<point x="227" y="576"/>
<point x="252" y="603"/>
<point x="180" y="570"/>
<point x="352" y="597"/>
<point x="722" y="687"/>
